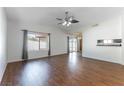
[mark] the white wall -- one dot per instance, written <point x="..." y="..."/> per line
<point x="110" y="29"/>
<point x="2" y="42"/>
<point x="122" y="38"/>
<point x="15" y="40"/>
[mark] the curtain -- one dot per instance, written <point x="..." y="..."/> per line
<point x="49" y="51"/>
<point x="68" y="45"/>
<point x="25" y="45"/>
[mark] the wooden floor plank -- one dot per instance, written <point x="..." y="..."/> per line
<point x="64" y="70"/>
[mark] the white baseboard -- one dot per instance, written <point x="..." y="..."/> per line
<point x="18" y="60"/>
<point x="102" y="59"/>
<point x="3" y="72"/>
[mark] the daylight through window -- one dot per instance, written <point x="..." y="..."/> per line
<point x="37" y="41"/>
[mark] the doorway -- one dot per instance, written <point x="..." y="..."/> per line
<point x="73" y="44"/>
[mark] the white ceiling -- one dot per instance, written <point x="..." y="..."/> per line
<point x="47" y="15"/>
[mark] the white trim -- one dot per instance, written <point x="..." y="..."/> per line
<point x="3" y="73"/>
<point x="34" y="58"/>
<point x="101" y="60"/>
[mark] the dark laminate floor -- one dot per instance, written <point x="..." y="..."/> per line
<point x="64" y="70"/>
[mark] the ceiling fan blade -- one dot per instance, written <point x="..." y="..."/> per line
<point x="59" y="23"/>
<point x="59" y="19"/>
<point x="74" y="21"/>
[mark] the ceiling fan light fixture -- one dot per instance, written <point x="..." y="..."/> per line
<point x="68" y="20"/>
<point x="64" y="23"/>
<point x="69" y="23"/>
<point x="71" y="18"/>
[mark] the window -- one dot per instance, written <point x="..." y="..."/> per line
<point x="109" y="42"/>
<point x="37" y="41"/>
<point x="44" y="43"/>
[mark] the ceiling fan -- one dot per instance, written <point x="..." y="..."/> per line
<point x="68" y="20"/>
